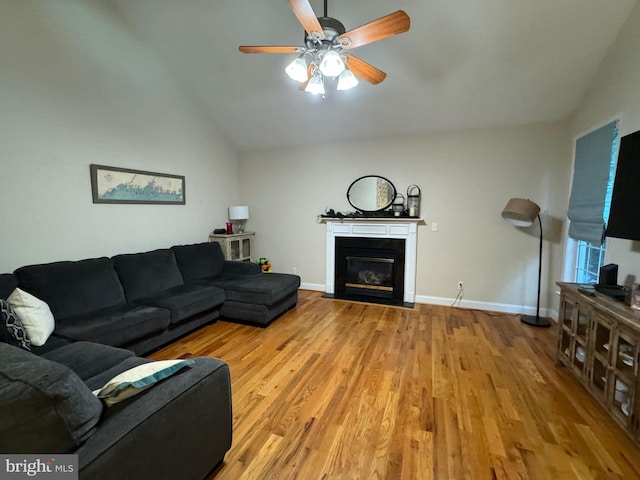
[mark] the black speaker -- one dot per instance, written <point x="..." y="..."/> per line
<point x="608" y="275"/>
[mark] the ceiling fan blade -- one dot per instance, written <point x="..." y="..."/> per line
<point x="272" y="49"/>
<point x="387" y="26"/>
<point x="365" y="70"/>
<point x="306" y="16"/>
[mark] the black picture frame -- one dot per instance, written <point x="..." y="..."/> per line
<point x="128" y="186"/>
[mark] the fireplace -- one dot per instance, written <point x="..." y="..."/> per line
<point x="378" y="230"/>
<point x="370" y="269"/>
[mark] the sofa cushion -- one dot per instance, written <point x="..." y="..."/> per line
<point x="200" y="260"/>
<point x="53" y="342"/>
<point x="45" y="406"/>
<point x="73" y="288"/>
<point x="116" y="326"/>
<point x="261" y="289"/>
<point x="88" y="359"/>
<point x="185" y="301"/>
<point x="241" y="268"/>
<point x="8" y="283"/>
<point x="138" y="379"/>
<point x="255" y="314"/>
<point x="34" y="314"/>
<point x="145" y="274"/>
<point x="11" y="329"/>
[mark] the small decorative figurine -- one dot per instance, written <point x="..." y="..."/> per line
<point x="265" y="264"/>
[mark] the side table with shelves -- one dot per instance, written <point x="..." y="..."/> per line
<point x="237" y="246"/>
<point x="599" y="342"/>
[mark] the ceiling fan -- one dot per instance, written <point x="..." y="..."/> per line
<point x="324" y="54"/>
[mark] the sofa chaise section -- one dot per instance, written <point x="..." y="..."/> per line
<point x="179" y="428"/>
<point x="89" y="304"/>
<point x="260" y="299"/>
<point x="250" y="295"/>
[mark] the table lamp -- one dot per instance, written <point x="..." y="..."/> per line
<point x="238" y="215"/>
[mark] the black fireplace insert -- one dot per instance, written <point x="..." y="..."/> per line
<point x="370" y="269"/>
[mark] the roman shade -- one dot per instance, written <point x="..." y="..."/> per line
<point x="592" y="174"/>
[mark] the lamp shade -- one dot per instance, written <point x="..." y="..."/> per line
<point x="346" y="80"/>
<point x="520" y="212"/>
<point x="331" y="64"/>
<point x="297" y="70"/>
<point x="239" y="212"/>
<point x="315" y="85"/>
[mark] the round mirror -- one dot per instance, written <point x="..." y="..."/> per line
<point x="371" y="193"/>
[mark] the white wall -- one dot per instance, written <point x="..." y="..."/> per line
<point x="466" y="179"/>
<point x="616" y="91"/>
<point x="76" y="88"/>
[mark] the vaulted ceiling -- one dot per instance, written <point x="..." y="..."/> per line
<point x="463" y="64"/>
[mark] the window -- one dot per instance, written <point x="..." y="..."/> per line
<point x="590" y="259"/>
<point x="586" y="258"/>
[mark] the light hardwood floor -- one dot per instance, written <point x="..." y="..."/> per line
<point x="336" y="389"/>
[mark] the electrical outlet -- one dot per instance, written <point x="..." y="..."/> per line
<point x="294" y="270"/>
<point x="460" y="284"/>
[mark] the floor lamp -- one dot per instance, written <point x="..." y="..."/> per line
<point x="521" y="212"/>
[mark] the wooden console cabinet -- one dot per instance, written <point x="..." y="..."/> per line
<point x="599" y="342"/>
<point x="238" y="246"/>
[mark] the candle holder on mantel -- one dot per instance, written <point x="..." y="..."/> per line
<point x="398" y="205"/>
<point x="413" y="201"/>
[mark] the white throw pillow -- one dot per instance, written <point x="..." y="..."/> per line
<point x="34" y="314"/>
<point x="137" y="379"/>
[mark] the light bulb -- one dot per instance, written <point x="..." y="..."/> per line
<point x="315" y="85"/>
<point x="331" y="65"/>
<point x="346" y="80"/>
<point x="297" y="70"/>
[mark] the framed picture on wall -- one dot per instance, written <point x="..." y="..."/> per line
<point x="124" y="185"/>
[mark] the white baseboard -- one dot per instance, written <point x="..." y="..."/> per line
<point x="491" y="306"/>
<point x="320" y="287"/>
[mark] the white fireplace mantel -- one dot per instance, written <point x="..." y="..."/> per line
<point x="387" y="227"/>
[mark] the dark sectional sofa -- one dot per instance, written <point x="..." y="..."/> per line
<point x="142" y="301"/>
<point x="107" y="311"/>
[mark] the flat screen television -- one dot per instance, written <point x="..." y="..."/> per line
<point x="624" y="216"/>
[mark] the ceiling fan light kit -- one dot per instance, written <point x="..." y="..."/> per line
<point x="297" y="70"/>
<point x="331" y="64"/>
<point x="325" y="41"/>
<point x="346" y="80"/>
<point x="315" y="85"/>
